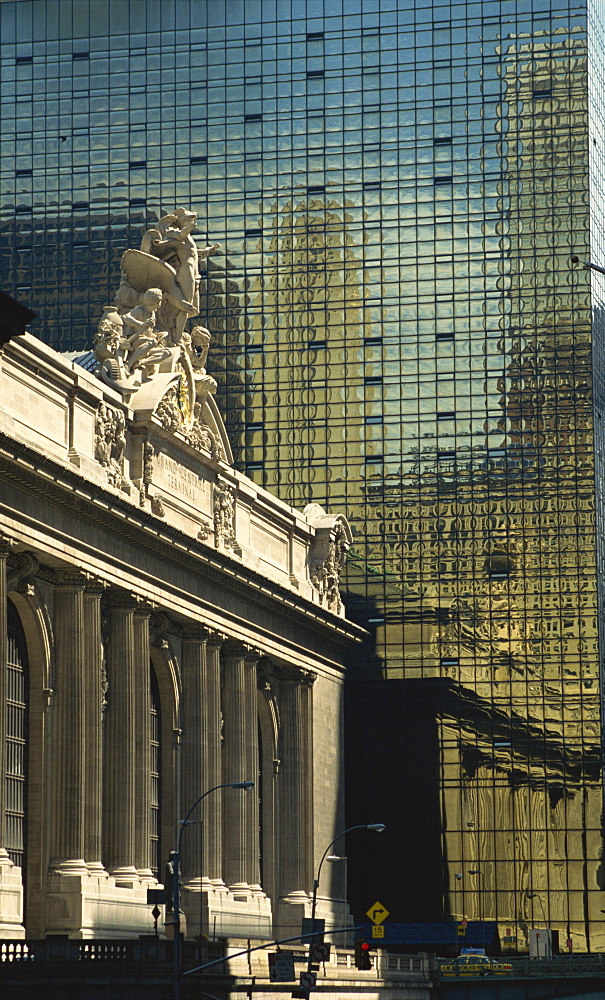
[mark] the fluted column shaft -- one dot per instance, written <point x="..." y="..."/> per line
<point x="212" y="829"/>
<point x="93" y="729"/>
<point x="68" y="749"/>
<point x="142" y="711"/>
<point x="253" y="771"/>
<point x="194" y="779"/>
<point x="295" y="799"/>
<point x="120" y="743"/>
<point x="240" y="763"/>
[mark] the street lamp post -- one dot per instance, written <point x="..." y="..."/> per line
<point x="536" y="895"/>
<point x="378" y="828"/>
<point x="176" y="901"/>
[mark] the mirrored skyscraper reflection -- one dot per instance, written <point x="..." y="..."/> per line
<point x="398" y="333"/>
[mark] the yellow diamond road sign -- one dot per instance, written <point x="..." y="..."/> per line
<point x="377" y="913"/>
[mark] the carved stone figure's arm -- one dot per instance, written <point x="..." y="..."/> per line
<point x="207" y="251"/>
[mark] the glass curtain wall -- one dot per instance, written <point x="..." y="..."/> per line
<point x="398" y="334"/>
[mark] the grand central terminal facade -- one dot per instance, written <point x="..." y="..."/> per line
<point x="168" y="627"/>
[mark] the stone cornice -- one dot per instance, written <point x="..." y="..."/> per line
<point x="56" y="483"/>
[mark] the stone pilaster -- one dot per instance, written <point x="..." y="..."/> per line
<point x="142" y="710"/>
<point x="252" y="771"/>
<point x="213" y="812"/>
<point x="240" y="763"/>
<point x="68" y="748"/>
<point x="119" y="776"/>
<point x="194" y="777"/>
<point x="295" y="792"/>
<point x="93" y="729"/>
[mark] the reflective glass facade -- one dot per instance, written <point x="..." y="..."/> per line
<point x="398" y="334"/>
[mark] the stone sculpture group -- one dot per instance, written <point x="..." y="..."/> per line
<point x="144" y="352"/>
<point x="142" y="333"/>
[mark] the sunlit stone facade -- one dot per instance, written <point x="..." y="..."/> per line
<point x="157" y="642"/>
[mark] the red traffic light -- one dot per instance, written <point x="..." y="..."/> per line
<point x="362" y="955"/>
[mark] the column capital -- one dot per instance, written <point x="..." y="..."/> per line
<point x="196" y="633"/>
<point x="96" y="588"/>
<point x="143" y="608"/>
<point x="215" y="640"/>
<point x="120" y="600"/>
<point x="296" y="675"/>
<point x="235" y="648"/>
<point x="72" y="578"/>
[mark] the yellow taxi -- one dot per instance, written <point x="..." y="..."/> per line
<point x="474" y="963"/>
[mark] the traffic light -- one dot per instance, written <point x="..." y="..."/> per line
<point x="363" y="959"/>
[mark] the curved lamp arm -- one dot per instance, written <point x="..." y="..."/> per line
<point x="377" y="827"/>
<point x="246" y="785"/>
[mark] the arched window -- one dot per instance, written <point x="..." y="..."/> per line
<point x="17" y="691"/>
<point x="155" y="757"/>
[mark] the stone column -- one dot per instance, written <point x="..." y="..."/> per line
<point x="213" y="811"/>
<point x="295" y="788"/>
<point x="93" y="729"/>
<point x="240" y="763"/>
<point x="253" y="772"/>
<point x="119" y="776"/>
<point x="194" y="777"/>
<point x="68" y="747"/>
<point x="142" y="712"/>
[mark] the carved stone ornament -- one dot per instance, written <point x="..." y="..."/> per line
<point x="328" y="554"/>
<point x="205" y="531"/>
<point x="110" y="443"/>
<point x="145" y="493"/>
<point x="143" y="350"/>
<point x="224" y="515"/>
<point x="21" y="571"/>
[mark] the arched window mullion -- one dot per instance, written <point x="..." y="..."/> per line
<point x="15" y="778"/>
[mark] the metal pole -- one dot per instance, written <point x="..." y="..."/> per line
<point x="176" y="923"/>
<point x="378" y="828"/>
<point x="267" y="944"/>
<point x="176" y="902"/>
